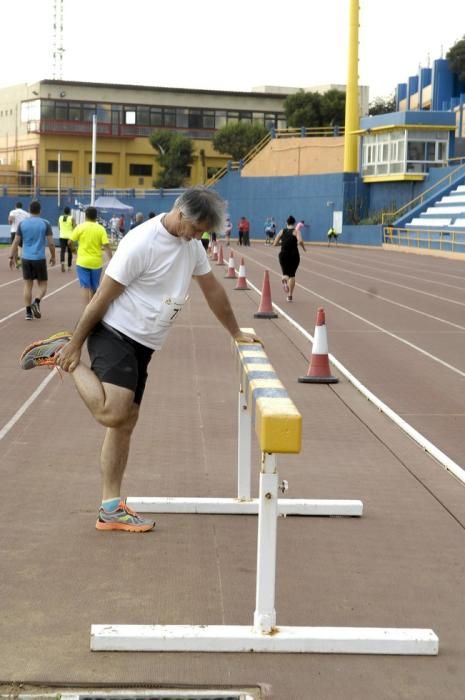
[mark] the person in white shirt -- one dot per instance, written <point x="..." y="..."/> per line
<point x="142" y="293"/>
<point x="14" y="219"/>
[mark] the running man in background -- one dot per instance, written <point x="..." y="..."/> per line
<point x="66" y="225"/>
<point x="270" y="230"/>
<point x="91" y="237"/>
<point x="142" y="293"/>
<point x="114" y="229"/>
<point x="227" y="231"/>
<point x="14" y="219"/>
<point x="33" y="235"/>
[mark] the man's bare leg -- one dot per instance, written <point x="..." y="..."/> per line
<point x="110" y="405"/>
<point x="114" y="456"/>
<point x="27" y="292"/>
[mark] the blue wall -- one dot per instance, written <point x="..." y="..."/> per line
<point x="306" y="197"/>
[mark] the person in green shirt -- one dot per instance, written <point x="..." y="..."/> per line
<point x="66" y="225"/>
<point x="91" y="238"/>
<point x="205" y="238"/>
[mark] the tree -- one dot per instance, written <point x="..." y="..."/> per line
<point x="333" y="108"/>
<point x="174" y="156"/>
<point x="382" y="106"/>
<point x="456" y="58"/>
<point x="238" y="139"/>
<point x="310" y="109"/>
<point x="303" y="109"/>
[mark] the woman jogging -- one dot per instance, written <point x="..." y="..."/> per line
<point x="289" y="257"/>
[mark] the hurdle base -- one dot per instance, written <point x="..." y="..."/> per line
<point x="236" y="506"/>
<point x="235" y="638"/>
<point x="318" y="380"/>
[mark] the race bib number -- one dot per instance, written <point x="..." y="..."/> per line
<point x="169" y="311"/>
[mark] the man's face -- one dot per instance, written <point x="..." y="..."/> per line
<point x="189" y="229"/>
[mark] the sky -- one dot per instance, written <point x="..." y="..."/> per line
<point x="234" y="45"/>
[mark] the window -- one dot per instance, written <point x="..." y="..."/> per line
<point x="66" y="166"/>
<point x="143" y="116"/>
<point x="75" y="113"/>
<point x="270" y="120"/>
<point x="129" y="116"/>
<point x="246" y="117"/>
<point x="195" y="119"/>
<point x="102" y="168"/>
<point x="61" y="111"/>
<point x="169" y="116"/>
<point x="209" y="119"/>
<point x="30" y="110"/>
<point x="88" y="111"/>
<point x="233" y="117"/>
<point x="156" y="116"/>
<point x="220" y="119"/>
<point x="182" y="118"/>
<point x="140" y="169"/>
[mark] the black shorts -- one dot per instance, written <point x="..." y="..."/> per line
<point x="34" y="270"/>
<point x="117" y="359"/>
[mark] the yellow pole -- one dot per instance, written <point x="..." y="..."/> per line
<point x="352" y="102"/>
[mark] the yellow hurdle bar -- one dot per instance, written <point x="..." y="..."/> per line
<point x="278" y="423"/>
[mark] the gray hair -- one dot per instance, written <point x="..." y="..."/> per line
<point x="201" y="204"/>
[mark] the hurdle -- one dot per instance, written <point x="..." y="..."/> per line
<point x="278" y="426"/>
<point x="257" y="378"/>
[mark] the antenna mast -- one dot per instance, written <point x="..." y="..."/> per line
<point x="58" y="49"/>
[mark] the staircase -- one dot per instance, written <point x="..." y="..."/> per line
<point x="447" y="214"/>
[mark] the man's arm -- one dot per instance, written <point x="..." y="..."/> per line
<point x="69" y="356"/>
<point x="14" y="251"/>
<point x="108" y="250"/>
<point x="218" y="301"/>
<point x="51" y="245"/>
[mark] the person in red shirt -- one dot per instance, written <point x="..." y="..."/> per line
<point x="244" y="231"/>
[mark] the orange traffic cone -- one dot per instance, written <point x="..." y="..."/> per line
<point x="220" y="255"/>
<point x="241" y="280"/>
<point x="231" y="274"/>
<point x="215" y="253"/>
<point x="265" y="310"/>
<point x="318" y="371"/>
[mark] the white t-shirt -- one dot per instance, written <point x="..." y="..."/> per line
<point x="16" y="216"/>
<point x="156" y="268"/>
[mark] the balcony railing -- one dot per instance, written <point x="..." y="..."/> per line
<point x="106" y="129"/>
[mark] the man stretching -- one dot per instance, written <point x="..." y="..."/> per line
<point x="141" y="294"/>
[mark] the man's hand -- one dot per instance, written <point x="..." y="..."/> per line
<point x="52" y="261"/>
<point x="68" y="357"/>
<point x="241" y="337"/>
<point x="12" y="263"/>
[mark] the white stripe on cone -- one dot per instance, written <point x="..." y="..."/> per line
<point x="320" y="341"/>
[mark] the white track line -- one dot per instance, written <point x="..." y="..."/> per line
<point x="12" y="422"/>
<point x="420" y="439"/>
<point x="47" y="296"/>
<point x="22" y="410"/>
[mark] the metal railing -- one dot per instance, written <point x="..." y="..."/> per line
<point x="83" y="193"/>
<point x="427" y="239"/>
